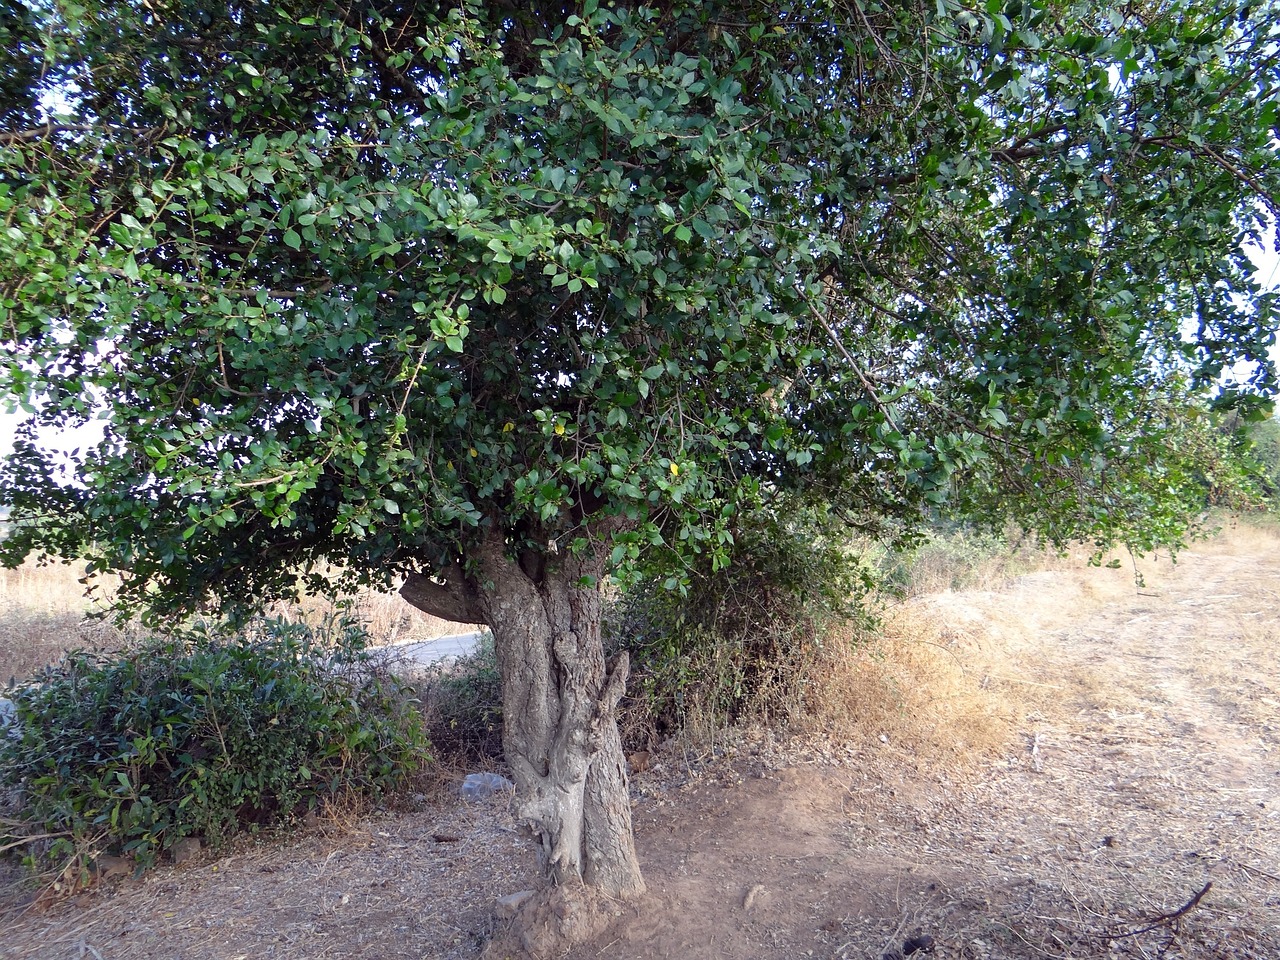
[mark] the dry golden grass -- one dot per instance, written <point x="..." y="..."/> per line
<point x="908" y="686"/>
<point x="387" y="618"/>
<point x="46" y="611"/>
<point x="947" y="672"/>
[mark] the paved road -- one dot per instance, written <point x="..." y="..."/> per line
<point x="423" y="653"/>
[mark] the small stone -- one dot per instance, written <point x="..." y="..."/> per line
<point x="510" y="905"/>
<point x="188" y="848"/>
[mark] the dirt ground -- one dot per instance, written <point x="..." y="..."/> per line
<point x="1133" y="812"/>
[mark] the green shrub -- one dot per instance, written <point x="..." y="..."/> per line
<point x="202" y="734"/>
<point x="463" y="699"/>
<point x="738" y="640"/>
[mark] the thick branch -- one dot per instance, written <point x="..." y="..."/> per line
<point x="289" y="294"/>
<point x="49" y="129"/>
<point x="450" y="600"/>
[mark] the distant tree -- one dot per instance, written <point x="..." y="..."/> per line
<point x="495" y="297"/>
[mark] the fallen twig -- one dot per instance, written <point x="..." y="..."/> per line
<point x="25" y="840"/>
<point x="1165" y="919"/>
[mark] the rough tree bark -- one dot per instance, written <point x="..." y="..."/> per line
<point x="559" y="698"/>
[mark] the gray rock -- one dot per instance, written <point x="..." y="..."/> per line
<point x="510" y="905"/>
<point x="188" y="848"/>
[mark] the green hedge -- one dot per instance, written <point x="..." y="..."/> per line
<point x="202" y="734"/>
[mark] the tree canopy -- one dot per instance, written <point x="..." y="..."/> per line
<point x="398" y="288"/>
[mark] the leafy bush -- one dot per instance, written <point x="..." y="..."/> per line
<point x="737" y="641"/>
<point x="204" y="733"/>
<point x="463" y="700"/>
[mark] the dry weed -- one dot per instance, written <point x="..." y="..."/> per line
<point x="950" y="672"/>
<point x="908" y="686"/>
<point x="388" y="620"/>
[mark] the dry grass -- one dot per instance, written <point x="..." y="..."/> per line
<point x="964" y="560"/>
<point x="1139" y="724"/>
<point x="46" y="611"/>
<point x="908" y="687"/>
<point x="952" y="666"/>
<point x="939" y="673"/>
<point x="387" y="618"/>
<point x="1071" y="756"/>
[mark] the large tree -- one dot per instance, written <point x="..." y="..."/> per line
<point x="491" y="298"/>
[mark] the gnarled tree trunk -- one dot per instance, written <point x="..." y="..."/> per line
<point x="559" y="699"/>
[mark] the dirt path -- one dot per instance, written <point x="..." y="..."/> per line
<point x="1150" y="767"/>
<point x="1145" y="765"/>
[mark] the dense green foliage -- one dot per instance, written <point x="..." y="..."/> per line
<point x="361" y="283"/>
<point x="202" y="734"/>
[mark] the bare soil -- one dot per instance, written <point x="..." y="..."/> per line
<point x="1134" y="811"/>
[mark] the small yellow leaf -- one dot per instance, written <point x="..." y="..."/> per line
<point x="675" y="470"/>
<point x="508" y="427"/>
<point x="195" y="401"/>
<point x="449" y="464"/>
<point x="474" y="452"/>
<point x="559" y="429"/>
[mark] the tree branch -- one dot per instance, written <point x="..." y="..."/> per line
<point x="323" y="287"/>
<point x="49" y="129"/>
<point x="1165" y="919"/>
<point x="449" y="599"/>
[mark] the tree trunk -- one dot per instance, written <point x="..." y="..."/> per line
<point x="560" y="735"/>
